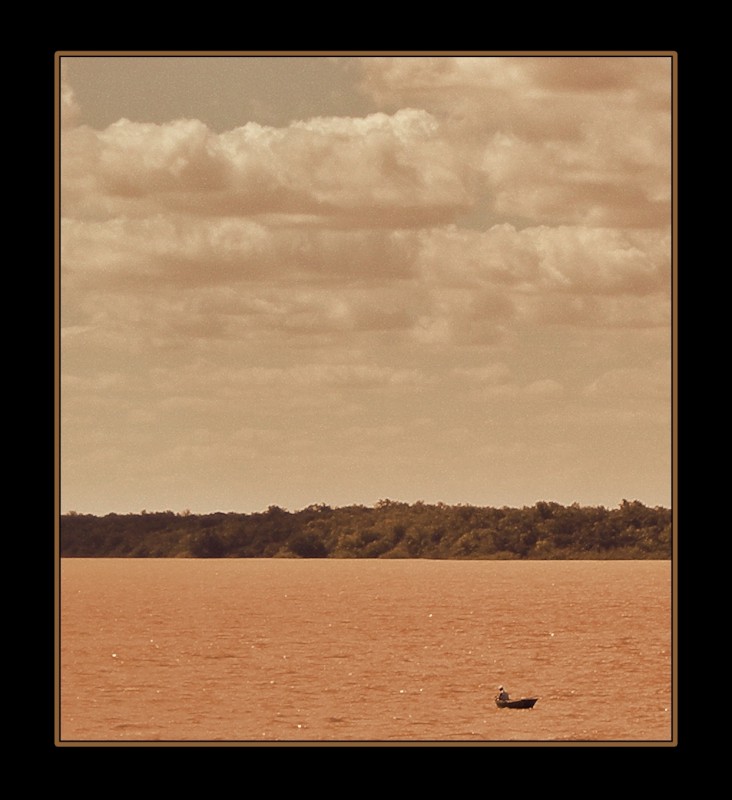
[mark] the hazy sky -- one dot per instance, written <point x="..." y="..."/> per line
<point x="303" y="280"/>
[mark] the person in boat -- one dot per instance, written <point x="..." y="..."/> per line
<point x="502" y="693"/>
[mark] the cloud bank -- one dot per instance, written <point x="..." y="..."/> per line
<point x="500" y="228"/>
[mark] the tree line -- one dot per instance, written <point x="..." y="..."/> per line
<point x="390" y="529"/>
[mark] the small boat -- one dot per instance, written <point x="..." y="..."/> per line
<point x="523" y="702"/>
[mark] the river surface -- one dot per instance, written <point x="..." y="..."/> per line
<point x="363" y="651"/>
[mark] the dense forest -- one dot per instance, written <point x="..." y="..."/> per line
<point x="390" y="529"/>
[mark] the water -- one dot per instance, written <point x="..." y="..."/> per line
<point x="279" y="650"/>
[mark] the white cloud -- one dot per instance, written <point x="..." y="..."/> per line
<point x="263" y="301"/>
<point x="573" y="140"/>
<point x="181" y="282"/>
<point x="363" y="169"/>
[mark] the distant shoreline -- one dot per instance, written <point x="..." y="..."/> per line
<point x="390" y="529"/>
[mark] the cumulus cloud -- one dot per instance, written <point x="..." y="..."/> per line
<point x="232" y="277"/>
<point x="330" y="201"/>
<point x="573" y="140"/>
<point x="232" y="297"/>
<point x="370" y="171"/>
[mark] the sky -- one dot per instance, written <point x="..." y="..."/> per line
<point x="288" y="280"/>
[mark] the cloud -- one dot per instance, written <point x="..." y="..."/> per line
<point x="597" y="183"/>
<point x="571" y="140"/>
<point x="303" y="306"/>
<point x="491" y="373"/>
<point x="193" y="252"/>
<point x="394" y="169"/>
<point x="578" y="258"/>
<point x="632" y="382"/>
<point x="545" y="388"/>
<point x="301" y="229"/>
<point x="570" y="275"/>
<point x="70" y="111"/>
<point x="599" y="312"/>
<point x="178" y="281"/>
<point x="601" y="260"/>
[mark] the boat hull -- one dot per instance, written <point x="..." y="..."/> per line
<point x="523" y="702"/>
